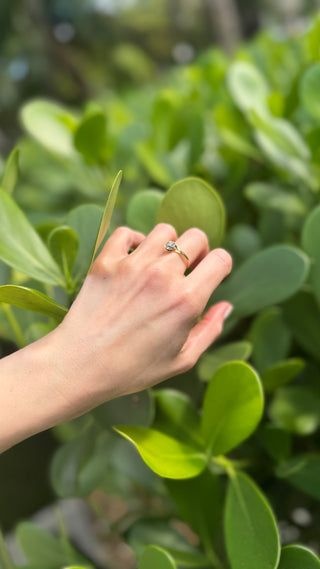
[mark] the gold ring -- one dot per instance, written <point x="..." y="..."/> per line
<point x="171" y="246"/>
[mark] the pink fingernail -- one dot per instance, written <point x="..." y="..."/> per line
<point x="228" y="311"/>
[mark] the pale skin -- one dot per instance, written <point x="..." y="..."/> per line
<point x="134" y="323"/>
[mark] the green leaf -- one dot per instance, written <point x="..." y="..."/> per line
<point x="309" y="88"/>
<point x="193" y="203"/>
<point x="136" y="409"/>
<point x="232" y="408"/>
<point x="247" y="85"/>
<point x="34" y="300"/>
<point x="267" y="278"/>
<point x="199" y="502"/>
<point x="265" y="195"/>
<point x="158" y="532"/>
<point x="79" y="465"/>
<point x="278" y="443"/>
<point x="11" y="171"/>
<point x="107" y="214"/>
<point x="303" y="472"/>
<point x="63" y="243"/>
<point x="51" y="125"/>
<point x="302" y="314"/>
<point x="22" y="248"/>
<point x="165" y="455"/>
<point x="210" y="362"/>
<point x="90" y="137"/>
<point x="142" y="210"/>
<point x="311" y="245"/>
<point x="40" y="547"/>
<point x="281" y="373"/>
<point x="84" y="219"/>
<point x="271" y="338"/>
<point x="298" y="557"/>
<point x="177" y="416"/>
<point x="296" y="409"/>
<point x="251" y="533"/>
<point x="156" y="558"/>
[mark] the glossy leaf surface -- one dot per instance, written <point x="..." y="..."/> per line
<point x="193" y="203"/>
<point x="251" y="532"/>
<point x="247" y="85"/>
<point x="11" y="171"/>
<point x="107" y="214"/>
<point x="302" y="315"/>
<point x="156" y="558"/>
<point x="90" y="137"/>
<point x="63" y="243"/>
<point x="51" y="125"/>
<point x="298" y="557"/>
<point x="21" y="246"/>
<point x="84" y="219"/>
<point x="142" y="210"/>
<point x="34" y="300"/>
<point x="267" y="278"/>
<point x="281" y="373"/>
<point x="177" y="416"/>
<point x="232" y="408"/>
<point x="210" y="362"/>
<point x="271" y="338"/>
<point x="165" y="455"/>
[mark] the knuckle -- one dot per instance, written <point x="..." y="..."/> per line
<point x="187" y="361"/>
<point x="189" y="303"/>
<point x="122" y="231"/>
<point x="199" y="234"/>
<point x="225" y="259"/>
<point x="156" y="276"/>
<point x="165" y="227"/>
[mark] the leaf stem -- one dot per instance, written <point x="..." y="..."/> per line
<point x="14" y="324"/>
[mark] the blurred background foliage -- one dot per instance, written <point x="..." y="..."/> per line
<point x="149" y="80"/>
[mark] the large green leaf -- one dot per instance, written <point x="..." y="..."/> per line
<point x="165" y="455"/>
<point x="80" y="465"/>
<point x="296" y="409"/>
<point x="51" y="125"/>
<point x="281" y="373"/>
<point x="309" y="90"/>
<point x="199" y="502"/>
<point x="302" y="314"/>
<point x="90" y="137"/>
<point x="311" y="245"/>
<point x="30" y="299"/>
<point x="143" y="208"/>
<point x="270" y="337"/>
<point x="298" y="557"/>
<point x="177" y="416"/>
<point x="84" y="219"/>
<point x="303" y="471"/>
<point x="251" y="533"/>
<point x="22" y="248"/>
<point x="193" y="203"/>
<point x="11" y="171"/>
<point x="269" y="196"/>
<point x="157" y="558"/>
<point x="43" y="549"/>
<point x="107" y="214"/>
<point x="267" y="278"/>
<point x="210" y="362"/>
<point x="232" y="407"/>
<point x="63" y="243"/>
<point x="247" y="85"/>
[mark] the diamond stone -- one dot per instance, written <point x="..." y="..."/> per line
<point x="170" y="246"/>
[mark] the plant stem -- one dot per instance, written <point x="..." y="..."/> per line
<point x="14" y="325"/>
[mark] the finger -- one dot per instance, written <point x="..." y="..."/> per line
<point x="121" y="241"/>
<point x="194" y="243"/>
<point x="202" y="335"/>
<point x="209" y="273"/>
<point x="154" y="243"/>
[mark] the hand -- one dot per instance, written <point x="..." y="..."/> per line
<point x="135" y="320"/>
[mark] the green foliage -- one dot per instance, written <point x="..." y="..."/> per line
<point x="231" y="147"/>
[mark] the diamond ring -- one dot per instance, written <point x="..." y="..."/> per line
<point x="172" y="246"/>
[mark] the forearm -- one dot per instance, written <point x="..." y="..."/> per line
<point x="30" y="393"/>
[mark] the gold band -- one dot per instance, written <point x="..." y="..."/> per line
<point x="172" y="246"/>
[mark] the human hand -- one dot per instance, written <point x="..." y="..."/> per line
<point x="135" y="320"/>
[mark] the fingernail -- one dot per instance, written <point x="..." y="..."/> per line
<point x="228" y="311"/>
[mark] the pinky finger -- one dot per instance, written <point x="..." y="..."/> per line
<point x="202" y="335"/>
